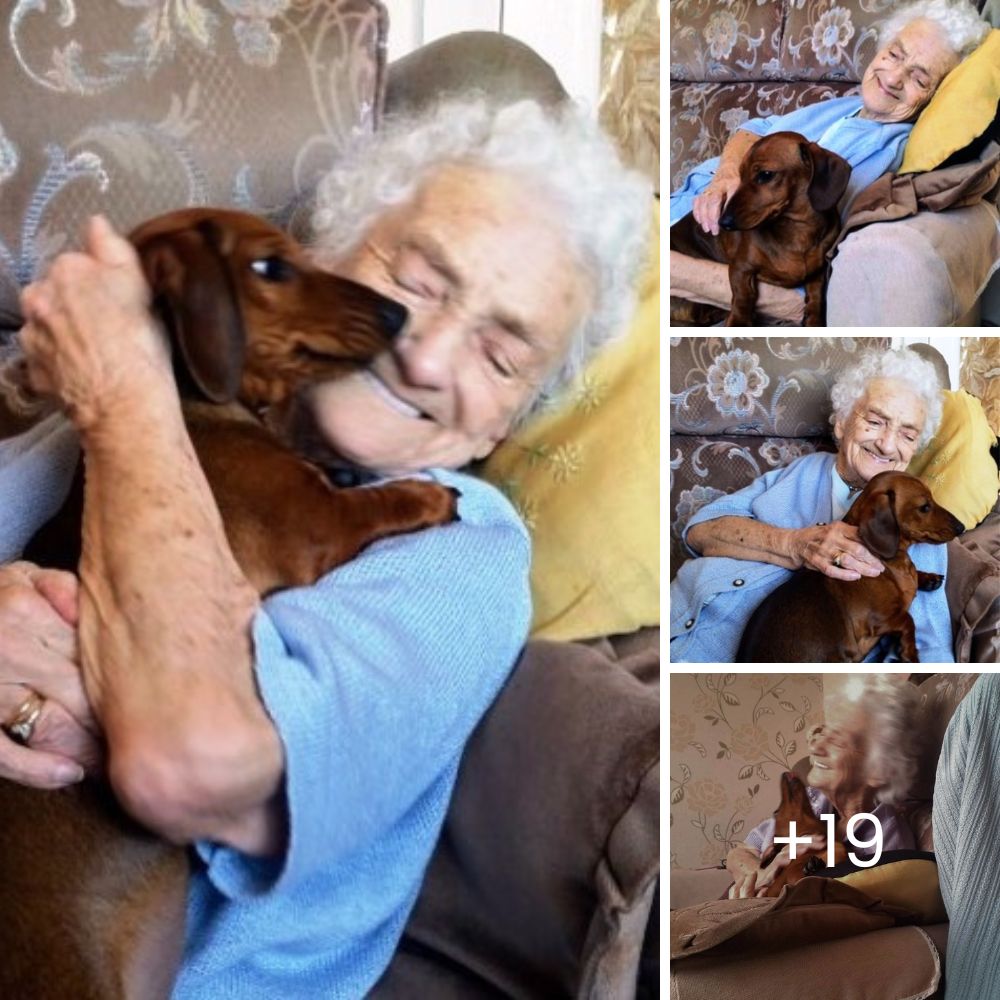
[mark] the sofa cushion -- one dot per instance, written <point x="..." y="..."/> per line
<point x="827" y="40"/>
<point x="909" y="883"/>
<point x="732" y="41"/>
<point x="142" y="108"/>
<point x="956" y="463"/>
<point x="962" y="108"/>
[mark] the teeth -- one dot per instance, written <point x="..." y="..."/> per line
<point x="389" y="397"/>
<point x="881" y="461"/>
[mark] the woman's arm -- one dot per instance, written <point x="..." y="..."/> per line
<point x="165" y="612"/>
<point x="709" y="204"/>
<point x="746" y="538"/>
<point x="814" y="547"/>
<point x="708" y="281"/>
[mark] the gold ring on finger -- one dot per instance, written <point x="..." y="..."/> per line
<point x="20" y="727"/>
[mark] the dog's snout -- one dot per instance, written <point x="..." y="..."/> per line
<point x="392" y="316"/>
<point x="727" y="220"/>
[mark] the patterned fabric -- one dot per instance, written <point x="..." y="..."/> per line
<point x="740" y="406"/>
<point x="790" y="53"/>
<point x="731" y="738"/>
<point x="135" y="108"/>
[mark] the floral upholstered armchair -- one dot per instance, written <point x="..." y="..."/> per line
<point x="742" y="406"/>
<point x="733" y="61"/>
<point x="545" y="879"/>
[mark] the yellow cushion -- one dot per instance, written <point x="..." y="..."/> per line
<point x="912" y="884"/>
<point x="961" y="109"/>
<point x="585" y="479"/>
<point x="956" y="465"/>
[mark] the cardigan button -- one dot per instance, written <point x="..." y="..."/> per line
<point x="738" y="583"/>
<point x="689" y="623"/>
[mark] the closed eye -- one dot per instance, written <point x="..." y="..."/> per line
<point x="275" y="269"/>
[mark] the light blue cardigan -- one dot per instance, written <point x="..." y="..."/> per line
<point x="871" y="148"/>
<point x="375" y="677"/>
<point x="712" y="597"/>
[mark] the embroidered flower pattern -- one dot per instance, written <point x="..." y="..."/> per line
<point x="721" y="33"/>
<point x="831" y="33"/>
<point x="8" y="158"/>
<point x="734" y="381"/>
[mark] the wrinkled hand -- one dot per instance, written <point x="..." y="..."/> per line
<point x="89" y="338"/>
<point x="38" y="651"/>
<point x="708" y="206"/>
<point x="756" y="883"/>
<point x="817" y="546"/>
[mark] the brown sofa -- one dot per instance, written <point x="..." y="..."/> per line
<point x="544" y="881"/>
<point x="743" y="406"/>
<point x="733" y="61"/>
<point x="901" y="958"/>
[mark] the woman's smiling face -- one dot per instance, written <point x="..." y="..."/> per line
<point x="837" y="751"/>
<point x="881" y="432"/>
<point x="903" y="76"/>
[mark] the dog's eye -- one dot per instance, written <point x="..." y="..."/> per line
<point x="925" y="508"/>
<point x="763" y="176"/>
<point x="275" y="269"/>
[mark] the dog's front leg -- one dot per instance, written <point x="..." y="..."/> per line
<point x="813" y="315"/>
<point x="928" y="581"/>
<point x="908" y="640"/>
<point x="743" y="282"/>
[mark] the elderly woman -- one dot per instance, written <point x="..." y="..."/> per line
<point x="862" y="760"/>
<point x="886" y="408"/>
<point x="919" y="44"/>
<point x="306" y="746"/>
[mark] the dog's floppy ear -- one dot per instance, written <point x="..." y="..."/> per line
<point x="878" y="527"/>
<point x="192" y="284"/>
<point x="830" y="174"/>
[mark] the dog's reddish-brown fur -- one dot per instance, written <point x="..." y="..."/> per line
<point x="778" y="225"/>
<point x="795" y="806"/>
<point x="815" y="618"/>
<point x="92" y="907"/>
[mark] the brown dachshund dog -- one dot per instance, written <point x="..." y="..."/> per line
<point x="795" y="806"/>
<point x="814" y="618"/>
<point x="92" y="906"/>
<point x="777" y="226"/>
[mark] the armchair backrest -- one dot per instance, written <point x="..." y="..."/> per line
<point x="135" y="110"/>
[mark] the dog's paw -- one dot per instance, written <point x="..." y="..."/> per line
<point x="929" y="581"/>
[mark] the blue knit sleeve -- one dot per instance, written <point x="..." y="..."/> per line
<point x="36" y="470"/>
<point x="375" y="678"/>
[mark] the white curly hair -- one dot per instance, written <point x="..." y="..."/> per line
<point x="892" y="736"/>
<point x="563" y="156"/>
<point x="963" y="28"/>
<point x="904" y="366"/>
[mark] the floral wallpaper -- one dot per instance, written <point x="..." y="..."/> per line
<point x="629" y="103"/>
<point x="731" y="737"/>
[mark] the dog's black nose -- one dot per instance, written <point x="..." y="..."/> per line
<point x="727" y="220"/>
<point x="392" y="315"/>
